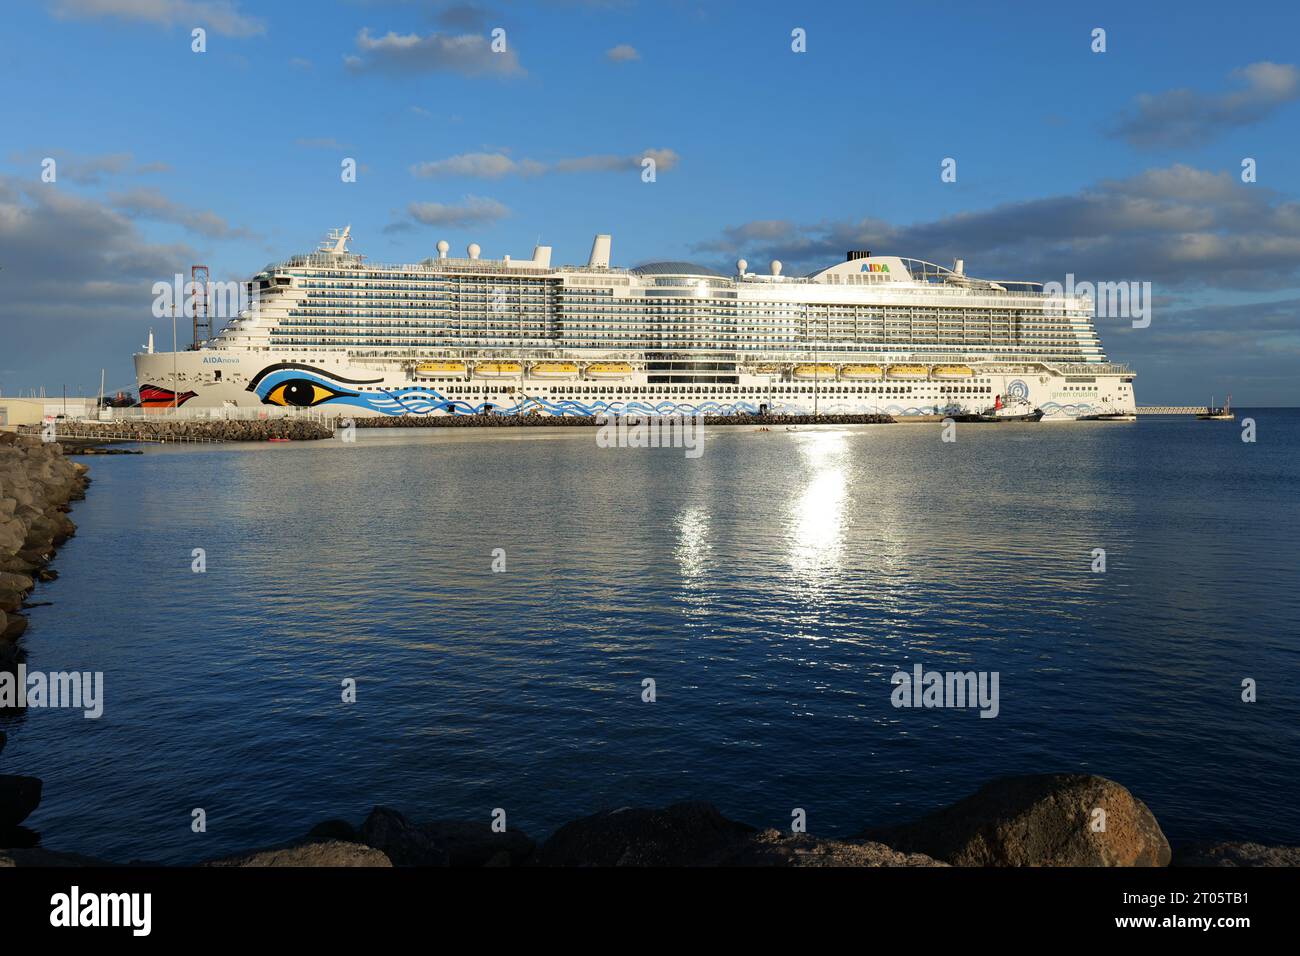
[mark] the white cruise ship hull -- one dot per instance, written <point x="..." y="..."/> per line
<point x="337" y="334"/>
<point x="336" y="384"/>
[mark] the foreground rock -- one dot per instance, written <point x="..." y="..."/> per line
<point x="323" y="853"/>
<point x="697" y="834"/>
<point x="19" y="796"/>
<point x="774" y="848"/>
<point x="1235" y="854"/>
<point x="404" y="842"/>
<point x="1040" y="820"/>
<point x="1015" y="821"/>
<point x="685" y="834"/>
<point x="441" y="843"/>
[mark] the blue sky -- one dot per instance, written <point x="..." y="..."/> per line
<point x="1122" y="165"/>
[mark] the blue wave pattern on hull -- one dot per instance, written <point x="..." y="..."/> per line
<point x="417" y="401"/>
<point x="421" y="400"/>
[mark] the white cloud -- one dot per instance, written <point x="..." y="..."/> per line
<point x="152" y="204"/>
<point x="499" y="165"/>
<point x="220" y="16"/>
<point x="468" y="54"/>
<point x="623" y="53"/>
<point x="471" y="211"/>
<point x="1185" y="117"/>
<point x="1176" y="226"/>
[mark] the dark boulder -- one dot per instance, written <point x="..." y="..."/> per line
<point x="12" y="626"/>
<point x="476" y="844"/>
<point x="335" y="830"/>
<point x="405" y="843"/>
<point x="1039" y="820"/>
<point x="685" y="834"/>
<point x="19" y="796"/>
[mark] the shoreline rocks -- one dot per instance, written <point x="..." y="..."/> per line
<point x="37" y="485"/>
<point x="1012" y="821"/>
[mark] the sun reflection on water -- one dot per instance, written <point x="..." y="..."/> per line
<point x="817" y="513"/>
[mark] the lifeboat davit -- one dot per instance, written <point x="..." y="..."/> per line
<point x="953" y="371"/>
<point x="553" y="370"/>
<point x="911" y="372"/>
<point x="858" y="373"/>
<point x="811" y="372"/>
<point x="440" y="368"/>
<point x="498" y="369"/>
<point x="608" y="370"/>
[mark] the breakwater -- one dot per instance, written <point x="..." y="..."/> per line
<point x="1034" y="820"/>
<point x="188" y="430"/>
<point x="588" y="421"/>
<point x="37" y="485"/>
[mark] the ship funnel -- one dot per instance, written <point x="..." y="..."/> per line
<point x="542" y="256"/>
<point x="600" y="251"/>
<point x="959" y="266"/>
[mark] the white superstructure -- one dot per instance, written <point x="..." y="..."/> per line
<point x="467" y="335"/>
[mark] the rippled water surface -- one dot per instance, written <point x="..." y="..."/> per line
<point x="770" y="588"/>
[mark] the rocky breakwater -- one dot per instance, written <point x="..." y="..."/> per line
<point x="37" y="485"/>
<point x="189" y="430"/>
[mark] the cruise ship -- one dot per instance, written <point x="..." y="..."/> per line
<point x="469" y="335"/>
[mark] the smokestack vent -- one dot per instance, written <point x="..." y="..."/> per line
<point x="600" y="252"/>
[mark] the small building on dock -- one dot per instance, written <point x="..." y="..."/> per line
<point x="32" y="411"/>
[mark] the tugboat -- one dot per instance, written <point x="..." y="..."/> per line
<point x="1013" y="410"/>
<point x="1109" y="415"/>
<point x="1214" y="413"/>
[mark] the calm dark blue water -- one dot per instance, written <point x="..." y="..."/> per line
<point x="770" y="588"/>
